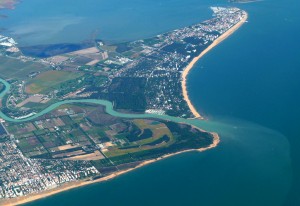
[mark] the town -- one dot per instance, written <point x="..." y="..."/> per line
<point x="139" y="76"/>
<point x="20" y="176"/>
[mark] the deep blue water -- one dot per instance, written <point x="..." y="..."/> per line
<point x="255" y="75"/>
<point x="247" y="84"/>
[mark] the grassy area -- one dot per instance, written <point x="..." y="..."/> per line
<point x="121" y="140"/>
<point x="157" y="130"/>
<point x="14" y="68"/>
<point x="49" y="80"/>
<point x="109" y="48"/>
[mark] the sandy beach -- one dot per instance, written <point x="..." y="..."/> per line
<point x="72" y="185"/>
<point x="194" y="61"/>
<point x="216" y="138"/>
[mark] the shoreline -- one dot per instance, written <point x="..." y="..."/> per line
<point x="81" y="183"/>
<point x="190" y="66"/>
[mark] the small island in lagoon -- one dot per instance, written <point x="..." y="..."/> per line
<point x="8" y="4"/>
<point x="243" y="1"/>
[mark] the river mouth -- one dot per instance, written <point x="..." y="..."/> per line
<point x="251" y="166"/>
<point x="252" y="157"/>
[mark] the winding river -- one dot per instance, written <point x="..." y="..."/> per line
<point x="207" y="125"/>
<point x="257" y="79"/>
<point x="252" y="153"/>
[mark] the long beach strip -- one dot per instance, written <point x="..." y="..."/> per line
<point x="194" y="61"/>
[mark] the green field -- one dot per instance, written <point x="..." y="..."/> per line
<point x="14" y="68"/>
<point x="158" y="131"/>
<point x="122" y="141"/>
<point x="49" y="80"/>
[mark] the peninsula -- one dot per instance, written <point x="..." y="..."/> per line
<point x="76" y="114"/>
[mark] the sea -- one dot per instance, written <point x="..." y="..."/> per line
<point x="248" y="86"/>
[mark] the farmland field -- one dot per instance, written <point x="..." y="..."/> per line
<point x="49" y="80"/>
<point x="140" y="142"/>
<point x="14" y="68"/>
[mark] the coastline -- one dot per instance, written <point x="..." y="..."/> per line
<point x="216" y="138"/>
<point x="77" y="184"/>
<point x="186" y="71"/>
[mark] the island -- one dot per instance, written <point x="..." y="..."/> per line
<point x="8" y="4"/>
<point x="243" y="1"/>
<point x="76" y="114"/>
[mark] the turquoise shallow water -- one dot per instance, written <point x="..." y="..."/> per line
<point x="251" y="77"/>
<point x="255" y="74"/>
<point x="250" y="167"/>
<point x="250" y="156"/>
